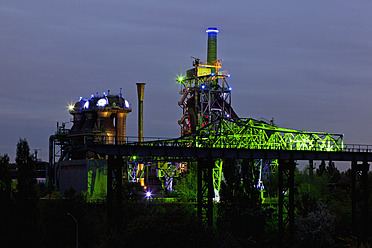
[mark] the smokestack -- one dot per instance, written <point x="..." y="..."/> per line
<point x="212" y="45"/>
<point x="140" y="91"/>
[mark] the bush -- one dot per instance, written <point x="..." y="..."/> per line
<point x="316" y="228"/>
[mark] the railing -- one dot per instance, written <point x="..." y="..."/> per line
<point x="162" y="141"/>
<point x="357" y="148"/>
<point x="122" y="140"/>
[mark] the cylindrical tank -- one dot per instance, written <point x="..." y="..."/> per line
<point x="121" y="123"/>
<point x="212" y="45"/>
<point x="78" y="117"/>
<point x="106" y="125"/>
<point x="90" y="115"/>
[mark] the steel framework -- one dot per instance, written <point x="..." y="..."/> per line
<point x="206" y="96"/>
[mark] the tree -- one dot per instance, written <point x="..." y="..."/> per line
<point x="26" y="172"/>
<point x="5" y="178"/>
<point x="241" y="220"/>
<point x="186" y="187"/>
<point x="26" y="202"/>
<point x="5" y="200"/>
<point x="316" y="229"/>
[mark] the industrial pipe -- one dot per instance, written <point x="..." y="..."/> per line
<point x="140" y="91"/>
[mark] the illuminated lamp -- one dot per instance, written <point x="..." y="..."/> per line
<point x="102" y="102"/>
<point x="230" y="88"/>
<point x="126" y="103"/>
<point x="212" y="30"/>
<point x="71" y="107"/>
<point x="212" y="74"/>
<point x="86" y="105"/>
<point x="180" y="79"/>
<point x="203" y="86"/>
<point x="228" y="75"/>
<point x="148" y="194"/>
<point x="228" y="116"/>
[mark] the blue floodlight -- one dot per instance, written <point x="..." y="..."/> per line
<point x="126" y="103"/>
<point x="102" y="102"/>
<point x="203" y="86"/>
<point x="86" y="105"/>
<point x="230" y="88"/>
<point x="212" y="30"/>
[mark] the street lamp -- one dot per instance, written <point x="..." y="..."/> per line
<point x="77" y="230"/>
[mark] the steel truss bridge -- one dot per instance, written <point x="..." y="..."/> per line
<point x="251" y="140"/>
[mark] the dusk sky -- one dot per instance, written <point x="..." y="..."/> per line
<point x="307" y="64"/>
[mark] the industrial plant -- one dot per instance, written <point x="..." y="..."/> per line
<point x="96" y="156"/>
<point x="207" y="118"/>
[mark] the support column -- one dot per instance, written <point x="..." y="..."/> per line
<point x="205" y="192"/>
<point x="115" y="191"/>
<point x="286" y="200"/>
<point x="359" y="198"/>
<point x="311" y="167"/>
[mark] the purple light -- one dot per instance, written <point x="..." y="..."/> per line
<point x="148" y="194"/>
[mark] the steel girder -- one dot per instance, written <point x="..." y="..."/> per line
<point x="253" y="134"/>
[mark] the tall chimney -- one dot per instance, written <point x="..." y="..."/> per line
<point x="140" y="91"/>
<point x="212" y="45"/>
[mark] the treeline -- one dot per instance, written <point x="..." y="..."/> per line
<point x="33" y="216"/>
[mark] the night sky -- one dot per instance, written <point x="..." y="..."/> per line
<point x="307" y="64"/>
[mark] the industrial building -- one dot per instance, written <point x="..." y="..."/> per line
<point x="207" y="120"/>
<point x="98" y="119"/>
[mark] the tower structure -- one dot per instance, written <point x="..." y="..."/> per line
<point x="97" y="120"/>
<point x="206" y="94"/>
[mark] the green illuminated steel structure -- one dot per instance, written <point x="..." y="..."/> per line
<point x="208" y="120"/>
